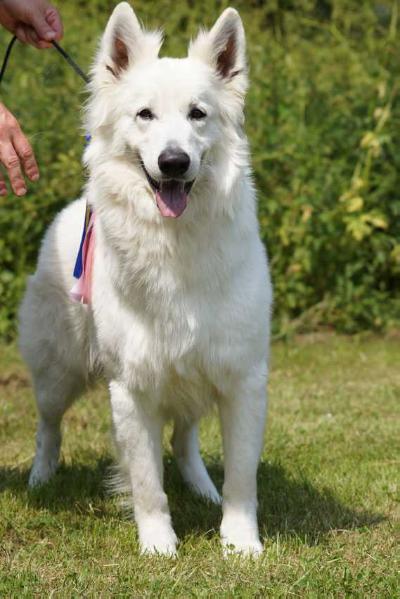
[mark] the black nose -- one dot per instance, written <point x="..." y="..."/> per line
<point x="173" y="162"/>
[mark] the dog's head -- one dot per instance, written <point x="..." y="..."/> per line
<point x="164" y="119"/>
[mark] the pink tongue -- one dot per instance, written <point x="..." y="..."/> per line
<point x="171" y="199"/>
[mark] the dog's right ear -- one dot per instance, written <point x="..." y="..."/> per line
<point x="125" y="42"/>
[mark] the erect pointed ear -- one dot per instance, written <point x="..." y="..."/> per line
<point x="124" y="41"/>
<point x="224" y="47"/>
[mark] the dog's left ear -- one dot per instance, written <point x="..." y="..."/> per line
<point x="224" y="48"/>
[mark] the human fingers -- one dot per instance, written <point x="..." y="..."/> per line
<point x="3" y="187"/>
<point x="27" y="35"/>
<point x="53" y="18"/>
<point x="9" y="158"/>
<point x="25" y="153"/>
<point x="46" y="23"/>
<point x="8" y="128"/>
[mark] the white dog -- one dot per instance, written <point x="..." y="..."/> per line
<point x="181" y="296"/>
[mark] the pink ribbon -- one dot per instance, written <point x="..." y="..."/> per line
<point x="82" y="290"/>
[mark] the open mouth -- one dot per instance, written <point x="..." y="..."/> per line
<point x="171" y="194"/>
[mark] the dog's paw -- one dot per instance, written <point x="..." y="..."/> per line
<point x="207" y="491"/>
<point x="167" y="549"/>
<point x="41" y="472"/>
<point x="157" y="538"/>
<point x="198" y="480"/>
<point x="239" y="535"/>
<point x="246" y="548"/>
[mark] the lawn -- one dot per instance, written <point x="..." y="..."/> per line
<point x="328" y="490"/>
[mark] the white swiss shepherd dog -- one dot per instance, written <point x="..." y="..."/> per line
<point x="181" y="294"/>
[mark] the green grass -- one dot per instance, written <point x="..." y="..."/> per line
<point x="328" y="486"/>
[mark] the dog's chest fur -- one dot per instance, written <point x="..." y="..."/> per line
<point x="163" y="301"/>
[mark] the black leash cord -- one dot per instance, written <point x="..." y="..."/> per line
<point x="71" y="62"/>
<point x="57" y="46"/>
<point x="6" y="57"/>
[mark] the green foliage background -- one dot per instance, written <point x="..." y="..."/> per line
<point x="323" y="117"/>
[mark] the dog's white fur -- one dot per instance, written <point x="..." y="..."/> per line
<point x="180" y="310"/>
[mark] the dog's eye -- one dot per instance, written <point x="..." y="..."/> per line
<point x="196" y="114"/>
<point x="145" y="114"/>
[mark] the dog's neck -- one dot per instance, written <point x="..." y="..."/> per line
<point x="142" y="249"/>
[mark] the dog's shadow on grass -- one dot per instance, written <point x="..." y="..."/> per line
<point x="288" y="506"/>
<point x="76" y="488"/>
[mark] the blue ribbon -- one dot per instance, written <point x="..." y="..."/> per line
<point x="78" y="269"/>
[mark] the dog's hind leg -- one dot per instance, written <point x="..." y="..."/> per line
<point x="186" y="449"/>
<point x="54" y="336"/>
<point x="55" y="391"/>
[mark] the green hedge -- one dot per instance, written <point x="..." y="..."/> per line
<point x="323" y="117"/>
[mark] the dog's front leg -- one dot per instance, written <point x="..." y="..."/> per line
<point x="139" y="439"/>
<point x="243" y="416"/>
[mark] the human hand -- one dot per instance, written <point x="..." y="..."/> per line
<point x="15" y="154"/>
<point x="34" y="22"/>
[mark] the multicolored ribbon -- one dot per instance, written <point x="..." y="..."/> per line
<point x="82" y="290"/>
